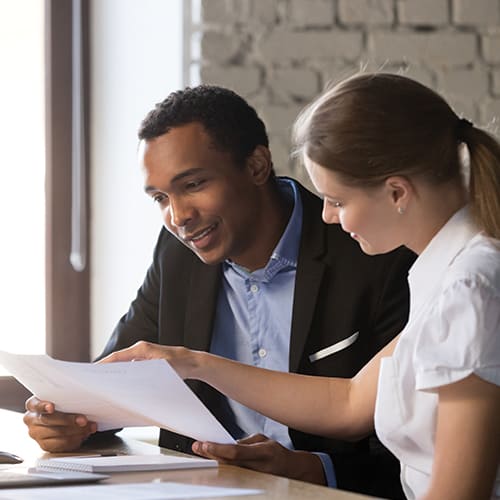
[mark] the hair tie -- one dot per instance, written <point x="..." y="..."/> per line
<point x="462" y="126"/>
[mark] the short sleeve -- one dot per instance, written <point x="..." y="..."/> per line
<point x="460" y="336"/>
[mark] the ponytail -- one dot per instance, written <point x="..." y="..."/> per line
<point x="484" y="186"/>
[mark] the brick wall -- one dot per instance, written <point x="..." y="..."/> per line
<point x="280" y="53"/>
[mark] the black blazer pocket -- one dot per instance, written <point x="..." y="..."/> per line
<point x="338" y="346"/>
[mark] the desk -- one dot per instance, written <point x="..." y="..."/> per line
<point x="14" y="438"/>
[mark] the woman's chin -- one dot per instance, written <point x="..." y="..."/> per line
<point x="369" y="249"/>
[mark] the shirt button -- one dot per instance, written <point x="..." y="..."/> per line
<point x="254" y="288"/>
<point x="262" y="353"/>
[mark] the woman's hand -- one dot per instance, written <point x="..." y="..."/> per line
<point x="184" y="361"/>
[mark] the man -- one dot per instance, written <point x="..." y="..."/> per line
<point x="245" y="268"/>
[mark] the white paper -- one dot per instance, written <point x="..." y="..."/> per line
<point x="118" y="394"/>
<point x="137" y="491"/>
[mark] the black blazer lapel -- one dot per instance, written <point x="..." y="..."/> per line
<point x="201" y="305"/>
<point x="310" y="269"/>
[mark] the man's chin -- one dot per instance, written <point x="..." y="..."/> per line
<point x="210" y="258"/>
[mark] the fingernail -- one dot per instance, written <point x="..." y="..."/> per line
<point x="81" y="421"/>
<point x="196" y="446"/>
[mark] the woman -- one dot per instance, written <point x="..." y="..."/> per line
<point x="388" y="156"/>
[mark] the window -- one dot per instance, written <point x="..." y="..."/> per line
<point x="45" y="299"/>
<point x="136" y="52"/>
<point x="22" y="176"/>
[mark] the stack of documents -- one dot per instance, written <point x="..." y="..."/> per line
<point x="116" y="395"/>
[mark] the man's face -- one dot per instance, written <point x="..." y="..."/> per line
<point x="206" y="200"/>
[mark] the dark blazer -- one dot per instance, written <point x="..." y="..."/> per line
<point x="338" y="291"/>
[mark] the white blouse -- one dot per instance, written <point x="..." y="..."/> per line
<point x="453" y="331"/>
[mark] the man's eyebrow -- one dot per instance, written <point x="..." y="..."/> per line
<point x="177" y="178"/>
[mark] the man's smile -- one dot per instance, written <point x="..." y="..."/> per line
<point x="201" y="238"/>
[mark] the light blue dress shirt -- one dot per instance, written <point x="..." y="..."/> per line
<point x="248" y="329"/>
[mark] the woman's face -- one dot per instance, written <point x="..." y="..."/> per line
<point x="369" y="215"/>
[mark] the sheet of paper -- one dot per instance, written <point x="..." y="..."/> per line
<point x="137" y="491"/>
<point x="118" y="394"/>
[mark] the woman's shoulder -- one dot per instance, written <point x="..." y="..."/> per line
<point x="478" y="263"/>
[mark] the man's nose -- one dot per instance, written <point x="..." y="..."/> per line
<point x="180" y="212"/>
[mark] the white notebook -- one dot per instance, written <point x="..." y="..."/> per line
<point x="123" y="463"/>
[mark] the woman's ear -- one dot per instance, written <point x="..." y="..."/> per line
<point x="400" y="190"/>
<point x="259" y="165"/>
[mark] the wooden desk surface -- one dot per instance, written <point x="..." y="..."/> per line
<point x="14" y="438"/>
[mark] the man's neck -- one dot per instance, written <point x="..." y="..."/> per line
<point x="276" y="212"/>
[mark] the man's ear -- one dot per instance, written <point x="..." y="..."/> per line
<point x="259" y="165"/>
<point x="400" y="190"/>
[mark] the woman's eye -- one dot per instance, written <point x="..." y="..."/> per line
<point x="334" y="204"/>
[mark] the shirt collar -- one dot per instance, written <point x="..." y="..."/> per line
<point x="286" y="252"/>
<point x="439" y="254"/>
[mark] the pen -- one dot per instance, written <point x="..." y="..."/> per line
<point x="96" y="455"/>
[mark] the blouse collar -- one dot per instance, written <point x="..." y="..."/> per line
<point x="438" y="255"/>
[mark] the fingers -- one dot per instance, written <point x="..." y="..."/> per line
<point x="236" y="454"/>
<point x="56" y="441"/>
<point x="227" y="452"/>
<point x="262" y="454"/>
<point x="254" y="438"/>
<point x="139" y="351"/>
<point x="55" y="431"/>
<point x="223" y="453"/>
<point x="33" y="404"/>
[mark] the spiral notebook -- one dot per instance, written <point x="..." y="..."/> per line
<point x="123" y="463"/>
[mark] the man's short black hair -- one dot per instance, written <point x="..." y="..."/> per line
<point x="232" y="124"/>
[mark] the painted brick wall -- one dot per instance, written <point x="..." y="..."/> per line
<point x="281" y="53"/>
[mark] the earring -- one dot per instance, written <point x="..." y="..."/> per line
<point x="401" y="210"/>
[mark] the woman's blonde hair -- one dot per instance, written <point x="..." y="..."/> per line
<point x="371" y="126"/>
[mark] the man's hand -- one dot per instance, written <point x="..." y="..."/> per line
<point x="262" y="454"/>
<point x="55" y="431"/>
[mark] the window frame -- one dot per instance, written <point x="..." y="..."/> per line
<point x="67" y="290"/>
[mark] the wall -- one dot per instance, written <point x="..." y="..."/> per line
<point x="281" y="53"/>
<point x="136" y="61"/>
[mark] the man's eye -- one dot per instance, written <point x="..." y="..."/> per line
<point x="194" y="184"/>
<point x="158" y="198"/>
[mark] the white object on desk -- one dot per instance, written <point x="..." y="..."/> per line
<point x="137" y="491"/>
<point x="124" y="463"/>
<point x="118" y="394"/>
<point x="22" y="478"/>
